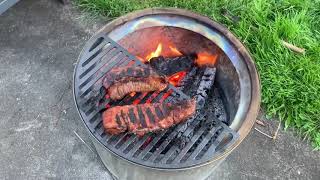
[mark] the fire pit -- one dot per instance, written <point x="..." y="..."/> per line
<point x="227" y="93"/>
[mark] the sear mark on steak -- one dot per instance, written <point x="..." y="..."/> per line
<point x="121" y="81"/>
<point x="143" y="118"/>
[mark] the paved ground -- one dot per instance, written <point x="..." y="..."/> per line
<point x="39" y="44"/>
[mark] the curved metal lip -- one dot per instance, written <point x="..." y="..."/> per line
<point x="253" y="105"/>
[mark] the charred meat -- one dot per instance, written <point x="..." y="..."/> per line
<point x="143" y="118"/>
<point x="124" y="80"/>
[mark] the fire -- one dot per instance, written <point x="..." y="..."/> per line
<point x="156" y="53"/>
<point x="162" y="50"/>
<point x="205" y="59"/>
<point x="177" y="77"/>
<point x="168" y="50"/>
<point x="175" y="51"/>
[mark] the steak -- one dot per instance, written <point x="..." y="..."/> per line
<point x="143" y="118"/>
<point x="124" y="80"/>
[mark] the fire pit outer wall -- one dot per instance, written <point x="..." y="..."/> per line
<point x="240" y="86"/>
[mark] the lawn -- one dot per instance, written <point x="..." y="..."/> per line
<point x="290" y="81"/>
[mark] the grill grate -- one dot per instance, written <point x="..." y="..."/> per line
<point x="158" y="150"/>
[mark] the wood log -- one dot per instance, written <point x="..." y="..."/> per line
<point x="171" y="65"/>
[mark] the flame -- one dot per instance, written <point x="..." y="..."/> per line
<point x="176" y="78"/>
<point x="162" y="50"/>
<point x="175" y="51"/>
<point x="156" y="53"/>
<point x="206" y="59"/>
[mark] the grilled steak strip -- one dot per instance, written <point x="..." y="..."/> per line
<point x="143" y="118"/>
<point x="119" y="89"/>
<point x="124" y="80"/>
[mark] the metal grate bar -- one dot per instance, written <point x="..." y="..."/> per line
<point x="198" y="149"/>
<point x="175" y="148"/>
<point x="163" y="145"/>
<point x="97" y="120"/>
<point x="184" y="151"/>
<point x="216" y="143"/>
<point x="100" y="131"/>
<point x="99" y="64"/>
<point x="168" y="155"/>
<point x="120" y="137"/>
<point x="151" y="144"/>
<point x="89" y="54"/>
<point x="111" y="56"/>
<point x="95" y="60"/>
<point x="138" y="145"/>
<point x="91" y="80"/>
<point x="122" y="61"/>
<point x="128" y="142"/>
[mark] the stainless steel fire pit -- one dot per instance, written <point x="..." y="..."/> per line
<point x="157" y="156"/>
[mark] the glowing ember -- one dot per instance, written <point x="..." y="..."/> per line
<point x="108" y="106"/>
<point x="177" y="77"/>
<point x="156" y="53"/>
<point x="206" y="59"/>
<point x="137" y="100"/>
<point x="145" y="144"/>
<point x="140" y="58"/>
<point x="132" y="94"/>
<point x="166" y="95"/>
<point x="154" y="95"/>
<point x="131" y="63"/>
<point x="175" y="51"/>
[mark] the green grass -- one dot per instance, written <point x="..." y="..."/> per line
<point x="290" y="81"/>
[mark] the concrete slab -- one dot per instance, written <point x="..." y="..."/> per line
<point x="39" y="44"/>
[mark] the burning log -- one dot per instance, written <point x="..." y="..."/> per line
<point x="204" y="87"/>
<point x="171" y="65"/>
<point x="201" y="96"/>
<point x="189" y="78"/>
<point x="143" y="118"/>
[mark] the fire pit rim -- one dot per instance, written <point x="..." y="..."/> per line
<point x="254" y="105"/>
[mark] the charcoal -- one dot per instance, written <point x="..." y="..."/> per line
<point x="171" y="65"/>
<point x="201" y="95"/>
<point x="190" y="79"/>
<point x="190" y="83"/>
<point x="182" y="141"/>
<point x="204" y="87"/>
<point x="215" y="107"/>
